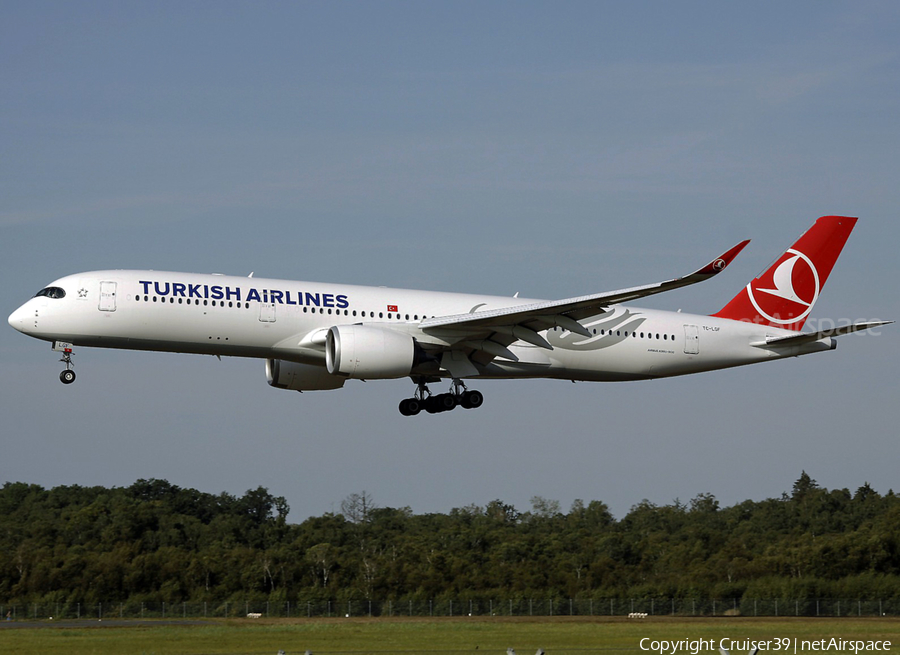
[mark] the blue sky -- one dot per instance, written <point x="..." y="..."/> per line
<point x="542" y="148"/>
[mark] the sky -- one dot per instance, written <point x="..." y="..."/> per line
<point x="546" y="149"/>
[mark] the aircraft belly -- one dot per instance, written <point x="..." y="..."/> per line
<point x="619" y="363"/>
<point x="158" y="345"/>
<point x="220" y="331"/>
<point x="607" y="365"/>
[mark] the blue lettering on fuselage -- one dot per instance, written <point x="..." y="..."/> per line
<point x="252" y="294"/>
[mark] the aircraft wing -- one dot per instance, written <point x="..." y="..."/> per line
<point x="565" y="313"/>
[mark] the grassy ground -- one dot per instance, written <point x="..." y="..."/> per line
<point x="557" y="636"/>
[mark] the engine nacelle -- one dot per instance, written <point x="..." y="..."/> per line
<point x="300" y="377"/>
<point x="371" y="353"/>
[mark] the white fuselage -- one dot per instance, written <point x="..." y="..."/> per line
<point x="279" y="319"/>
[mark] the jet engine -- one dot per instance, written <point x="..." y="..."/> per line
<point x="371" y="353"/>
<point x="300" y="377"/>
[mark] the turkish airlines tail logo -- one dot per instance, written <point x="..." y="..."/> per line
<point x="794" y="289"/>
<point x="784" y="295"/>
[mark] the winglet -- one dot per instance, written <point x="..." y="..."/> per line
<point x="721" y="262"/>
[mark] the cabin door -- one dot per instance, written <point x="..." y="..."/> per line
<point x="107" y="296"/>
<point x="691" y="340"/>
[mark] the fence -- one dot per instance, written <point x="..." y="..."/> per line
<point x="448" y="608"/>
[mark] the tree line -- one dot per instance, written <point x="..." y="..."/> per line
<point x="156" y="542"/>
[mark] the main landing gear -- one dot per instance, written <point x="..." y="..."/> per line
<point x="444" y="402"/>
<point x="67" y="376"/>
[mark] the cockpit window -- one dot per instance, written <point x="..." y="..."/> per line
<point x="51" y="292"/>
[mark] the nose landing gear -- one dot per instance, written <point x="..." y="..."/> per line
<point x="444" y="402"/>
<point x="67" y="376"/>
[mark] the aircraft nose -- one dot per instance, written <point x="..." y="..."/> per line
<point x="19" y="319"/>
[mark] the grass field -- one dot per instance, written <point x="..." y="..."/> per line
<point x="557" y="636"/>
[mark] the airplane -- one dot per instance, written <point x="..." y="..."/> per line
<point x="316" y="336"/>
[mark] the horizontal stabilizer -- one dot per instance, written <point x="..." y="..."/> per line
<point x="809" y="337"/>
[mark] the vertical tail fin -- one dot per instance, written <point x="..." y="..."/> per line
<point x="784" y="295"/>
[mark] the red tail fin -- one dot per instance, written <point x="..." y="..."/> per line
<point x="784" y="295"/>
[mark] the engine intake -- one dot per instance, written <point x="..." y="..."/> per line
<point x="300" y="377"/>
<point x="371" y="353"/>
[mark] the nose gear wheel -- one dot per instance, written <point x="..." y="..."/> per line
<point x="67" y="376"/>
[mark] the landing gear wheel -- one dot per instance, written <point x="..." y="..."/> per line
<point x="67" y="376"/>
<point x="472" y="399"/>
<point x="410" y="406"/>
<point x="442" y="402"/>
<point x="446" y="402"/>
<point x="431" y="405"/>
